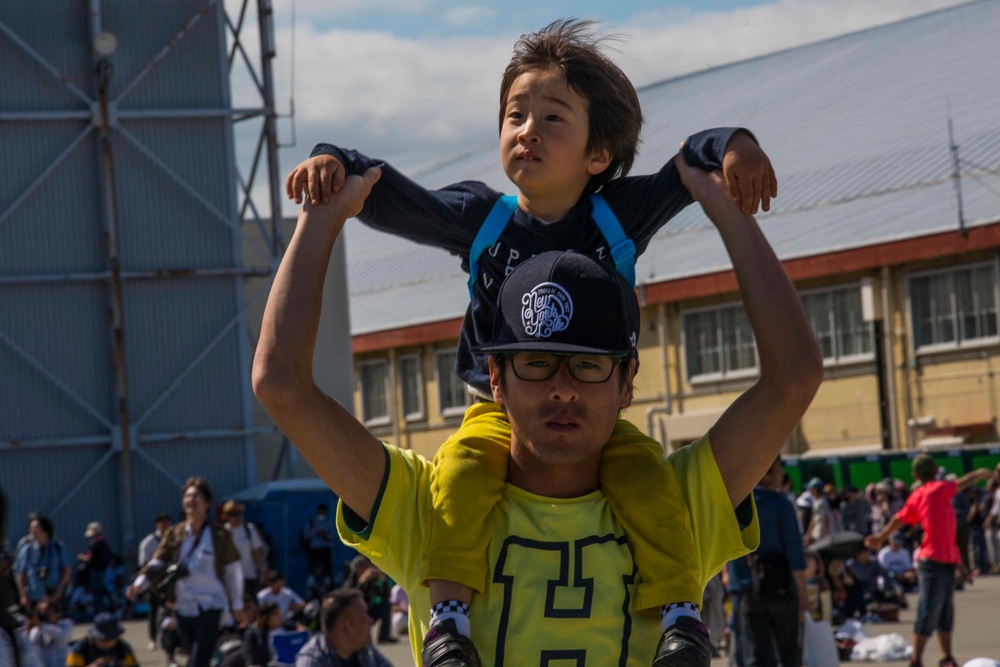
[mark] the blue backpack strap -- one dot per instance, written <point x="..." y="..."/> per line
<point x="489" y="233"/>
<point x="622" y="248"/>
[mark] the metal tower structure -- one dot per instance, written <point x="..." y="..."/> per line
<point x="134" y="239"/>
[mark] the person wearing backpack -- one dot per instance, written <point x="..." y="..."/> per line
<point x="248" y="542"/>
<point x="773" y="596"/>
<point x="569" y="123"/>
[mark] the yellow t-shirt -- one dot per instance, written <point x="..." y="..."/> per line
<point x="561" y="578"/>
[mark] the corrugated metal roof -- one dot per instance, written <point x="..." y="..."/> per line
<point x="856" y="126"/>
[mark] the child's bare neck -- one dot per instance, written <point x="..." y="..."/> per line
<point x="548" y="209"/>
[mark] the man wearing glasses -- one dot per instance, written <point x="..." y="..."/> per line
<point x="561" y="581"/>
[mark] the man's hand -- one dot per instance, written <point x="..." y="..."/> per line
<point x="873" y="542"/>
<point x="240" y="616"/>
<point x="804" y="604"/>
<point x="319" y="177"/>
<point x="708" y="188"/>
<point x="351" y="195"/>
<point x="749" y="174"/>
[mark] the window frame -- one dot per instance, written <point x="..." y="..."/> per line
<point x="454" y="410"/>
<point x="959" y="343"/>
<point x="421" y="412"/>
<point x="722" y="376"/>
<point x="380" y="420"/>
<point x="845" y="360"/>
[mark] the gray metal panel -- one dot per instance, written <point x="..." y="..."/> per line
<point x="171" y="156"/>
<point x="171" y="326"/>
<point x="62" y="328"/>
<point x="55" y="229"/>
<point x="39" y="479"/>
<point x="164" y="224"/>
<point x="857" y="128"/>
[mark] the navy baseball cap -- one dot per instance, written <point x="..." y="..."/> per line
<point x="565" y="303"/>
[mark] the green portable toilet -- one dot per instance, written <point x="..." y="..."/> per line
<point x="862" y="470"/>
<point x="982" y="457"/>
<point x="794" y="470"/>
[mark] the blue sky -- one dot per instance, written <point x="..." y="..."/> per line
<point x="423" y="19"/>
<point x="416" y="81"/>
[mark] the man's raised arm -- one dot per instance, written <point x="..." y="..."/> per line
<point x="338" y="447"/>
<point x="754" y="428"/>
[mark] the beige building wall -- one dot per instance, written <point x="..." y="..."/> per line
<point x="932" y="394"/>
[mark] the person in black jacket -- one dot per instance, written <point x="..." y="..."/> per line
<point x="773" y="596"/>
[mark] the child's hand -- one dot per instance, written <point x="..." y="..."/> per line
<point x="319" y="177"/>
<point x="749" y="174"/>
<point x="702" y="185"/>
<point x="349" y="199"/>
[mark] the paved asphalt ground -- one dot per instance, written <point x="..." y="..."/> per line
<point x="977" y="633"/>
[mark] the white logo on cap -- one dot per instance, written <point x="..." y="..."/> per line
<point x="545" y="310"/>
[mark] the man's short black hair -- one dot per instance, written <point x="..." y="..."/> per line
<point x="163" y="516"/>
<point x="45" y="523"/>
<point x="334" y="605"/>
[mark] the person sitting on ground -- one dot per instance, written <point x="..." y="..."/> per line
<point x="102" y="645"/>
<point x="895" y="558"/>
<point x="288" y="601"/>
<point x="842" y="604"/>
<point x="345" y="637"/>
<point x="50" y="632"/>
<point x="319" y="583"/>
<point x="400" y="602"/>
<point x="875" y="590"/>
<point x="256" y="644"/>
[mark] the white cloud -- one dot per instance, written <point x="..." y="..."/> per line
<point x="414" y="101"/>
<point x="666" y="44"/>
<point x="469" y="15"/>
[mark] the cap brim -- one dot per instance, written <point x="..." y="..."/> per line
<point x="100" y="635"/>
<point x="552" y="348"/>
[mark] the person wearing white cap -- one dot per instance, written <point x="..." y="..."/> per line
<point x="562" y="360"/>
<point x="96" y="561"/>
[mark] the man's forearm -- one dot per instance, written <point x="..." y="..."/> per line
<point x="970" y="478"/>
<point x="340" y="449"/>
<point x="292" y="315"/>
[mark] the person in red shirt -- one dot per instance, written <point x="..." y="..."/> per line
<point x="930" y="506"/>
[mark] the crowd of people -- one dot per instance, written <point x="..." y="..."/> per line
<point x="839" y="555"/>
<point x="207" y="586"/>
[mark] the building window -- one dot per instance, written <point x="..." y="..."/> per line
<point x="412" y="387"/>
<point x="951" y="308"/>
<point x="451" y="391"/>
<point x="836" y="320"/>
<point x="718" y="343"/>
<point x="374" y="395"/>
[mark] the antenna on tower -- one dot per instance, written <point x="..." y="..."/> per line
<point x="956" y="172"/>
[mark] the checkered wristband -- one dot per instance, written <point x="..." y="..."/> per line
<point x="667" y="608"/>
<point x="449" y="607"/>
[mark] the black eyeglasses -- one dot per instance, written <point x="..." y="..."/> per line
<point x="587" y="368"/>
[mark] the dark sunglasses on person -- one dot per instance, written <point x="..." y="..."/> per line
<point x="539" y="366"/>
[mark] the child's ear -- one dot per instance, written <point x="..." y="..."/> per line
<point x="599" y="161"/>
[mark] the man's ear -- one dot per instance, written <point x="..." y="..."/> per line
<point x="628" y="387"/>
<point x="599" y="161"/>
<point x="495" y="381"/>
